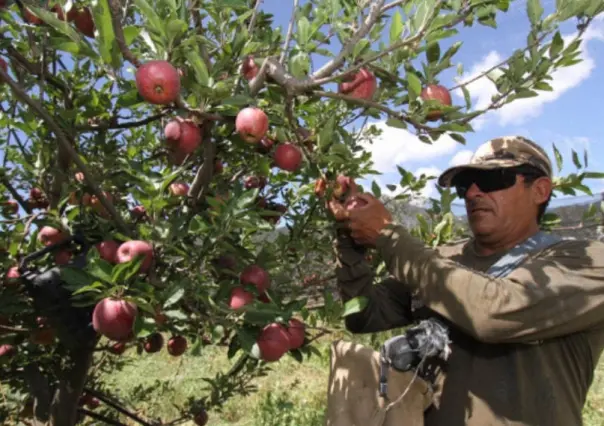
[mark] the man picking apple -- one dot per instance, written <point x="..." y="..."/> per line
<point x="526" y="332"/>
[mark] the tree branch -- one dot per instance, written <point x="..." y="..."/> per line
<point x="129" y="124"/>
<point x="202" y="47"/>
<point x="115" y="405"/>
<point x="290" y="31"/>
<point x="15" y="194"/>
<point x="204" y="174"/>
<point x="328" y="69"/>
<point x="66" y="145"/>
<point x="116" y="21"/>
<point x="392" y="5"/>
<point x="105" y="420"/>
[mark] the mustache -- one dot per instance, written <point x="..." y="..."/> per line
<point x="476" y="204"/>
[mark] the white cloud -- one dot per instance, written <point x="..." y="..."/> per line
<point x="398" y="146"/>
<point x="462" y="157"/>
<point x="522" y="110"/>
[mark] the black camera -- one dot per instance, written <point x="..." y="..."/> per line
<point x="428" y="339"/>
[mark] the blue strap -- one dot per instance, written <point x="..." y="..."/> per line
<point x="512" y="259"/>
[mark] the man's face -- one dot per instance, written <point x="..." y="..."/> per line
<point x="498" y="203"/>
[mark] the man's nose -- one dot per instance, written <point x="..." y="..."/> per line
<point x="473" y="192"/>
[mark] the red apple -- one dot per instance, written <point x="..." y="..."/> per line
<point x="201" y="418"/>
<point x="7" y="351"/>
<point x="342" y="185"/>
<point x="320" y="187"/>
<point x="225" y="262"/>
<point x="160" y="318"/>
<point x="251" y="182"/>
<point x="158" y="82"/>
<point x="440" y="95"/>
<point x="288" y="157"/>
<point x="36" y="193"/>
<point x="256" y="276"/>
<point x="92" y="403"/>
<point x="153" y="343"/>
<point x="252" y="124"/>
<point x="62" y="257"/>
<point x="172" y="131"/>
<point x="218" y="167"/>
<point x="249" y="68"/>
<point x="361" y="85"/>
<point x="108" y="250"/>
<point x="117" y="348"/>
<point x="131" y="249"/>
<point x="58" y="10"/>
<point x="265" y="145"/>
<point x="240" y="297"/>
<point x="11" y="207"/>
<point x="49" y="235"/>
<point x="12" y="275"/>
<point x="184" y="136"/>
<point x="273" y="342"/>
<point x="295" y="331"/>
<point x="43" y="336"/>
<point x="179" y="189"/>
<point x="138" y="212"/>
<point x="177" y="346"/>
<point x="83" y="21"/>
<point x="114" y="318"/>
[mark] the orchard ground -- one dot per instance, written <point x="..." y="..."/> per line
<point x="292" y="394"/>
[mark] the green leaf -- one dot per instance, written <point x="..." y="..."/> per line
<point x="556" y="46"/>
<point x="396" y="123"/>
<point x="415" y="85"/>
<point x="433" y="52"/>
<point x="64" y="28"/>
<point x="576" y="160"/>
<point x="152" y="22"/>
<point x="534" y="11"/>
<point x="76" y="278"/>
<point x="355" y="305"/>
<point x="106" y="38"/>
<point x="396" y="27"/>
<point x="300" y="65"/>
<point x="303" y="33"/>
<point x="375" y="188"/>
<point x="176" y="296"/>
<point x="594" y="175"/>
<point x="326" y="134"/>
<point x="558" y="156"/>
<point x="199" y="67"/>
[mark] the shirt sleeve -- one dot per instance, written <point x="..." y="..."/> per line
<point x="389" y="302"/>
<point x="546" y="297"/>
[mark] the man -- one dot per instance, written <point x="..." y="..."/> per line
<point x="524" y="347"/>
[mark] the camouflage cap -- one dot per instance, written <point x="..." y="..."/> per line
<point x="506" y="151"/>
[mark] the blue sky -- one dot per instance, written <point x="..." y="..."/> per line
<point x="569" y="116"/>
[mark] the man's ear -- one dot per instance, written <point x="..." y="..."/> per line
<point x="542" y="189"/>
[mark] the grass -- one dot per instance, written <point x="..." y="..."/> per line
<point x="292" y="394"/>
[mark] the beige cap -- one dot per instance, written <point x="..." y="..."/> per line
<point x="506" y="151"/>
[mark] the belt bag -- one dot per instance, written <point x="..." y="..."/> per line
<point x="354" y="377"/>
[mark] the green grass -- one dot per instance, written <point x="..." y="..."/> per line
<point x="292" y="394"/>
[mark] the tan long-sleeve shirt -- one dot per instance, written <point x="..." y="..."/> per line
<point x="524" y="346"/>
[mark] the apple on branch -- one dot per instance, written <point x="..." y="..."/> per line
<point x="251" y="124"/>
<point x="360" y="85"/>
<point x="158" y="82"/>
<point x="288" y="157"/>
<point x="440" y="95"/>
<point x="114" y="318"/>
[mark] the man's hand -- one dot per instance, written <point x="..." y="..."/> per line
<point x="367" y="221"/>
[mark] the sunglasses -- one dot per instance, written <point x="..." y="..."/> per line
<point x="490" y="180"/>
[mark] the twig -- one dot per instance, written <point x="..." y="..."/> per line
<point x="204" y="175"/>
<point x="328" y="69"/>
<point x="100" y="417"/>
<point x="202" y="47"/>
<point x="254" y="16"/>
<point x="115" y="405"/>
<point x="290" y="31"/>
<point x="15" y="194"/>
<point x="129" y="124"/>
<point x="114" y="9"/>
<point x="66" y="145"/>
<point x="371" y="104"/>
<point x="392" y="5"/>
<point x="15" y="329"/>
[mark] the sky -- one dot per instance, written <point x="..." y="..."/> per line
<point x="568" y="116"/>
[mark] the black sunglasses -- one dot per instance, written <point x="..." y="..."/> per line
<point x="491" y="180"/>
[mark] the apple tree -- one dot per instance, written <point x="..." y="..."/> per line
<point x="166" y="165"/>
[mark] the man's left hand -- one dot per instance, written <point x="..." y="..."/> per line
<point x="367" y="221"/>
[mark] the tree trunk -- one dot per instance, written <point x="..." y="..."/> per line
<point x="64" y="410"/>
